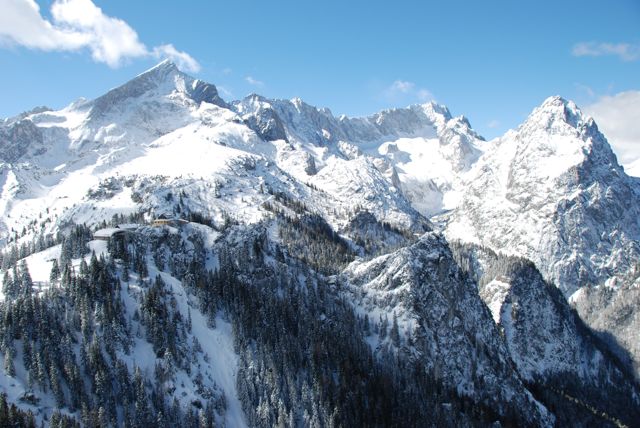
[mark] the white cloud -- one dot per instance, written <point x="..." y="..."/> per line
<point x="109" y="39"/>
<point x="625" y="51"/>
<point x="22" y="24"/>
<point x="402" y="90"/>
<point x="76" y="25"/>
<point x="401" y="87"/>
<point x="425" y="95"/>
<point x="617" y="117"/>
<point x="183" y="60"/>
<point x="254" y="82"/>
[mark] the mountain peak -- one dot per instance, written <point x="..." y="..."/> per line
<point x="556" y="112"/>
<point x="160" y="72"/>
<point x="555" y="100"/>
<point x="559" y="124"/>
<point x="559" y="105"/>
<point x="432" y="107"/>
<point x="161" y="79"/>
<point x="163" y="66"/>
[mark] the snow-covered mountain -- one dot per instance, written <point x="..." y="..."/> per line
<point x="166" y="123"/>
<point x="310" y="285"/>
<point x="552" y="191"/>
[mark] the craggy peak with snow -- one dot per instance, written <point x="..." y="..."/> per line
<point x="172" y="258"/>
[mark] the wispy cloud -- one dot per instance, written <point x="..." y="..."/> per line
<point x="403" y="90"/>
<point x="617" y="117"/>
<point x="254" y="82"/>
<point x="183" y="60"/>
<point x="425" y="95"/>
<point x="625" y="51"/>
<point x="78" y="25"/>
<point x="400" y="87"/>
<point x="493" y="124"/>
<point x="224" y="91"/>
<point x="585" y="89"/>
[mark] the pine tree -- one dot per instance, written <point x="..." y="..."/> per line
<point x="384" y="326"/>
<point x="9" y="368"/>
<point x="55" y="271"/>
<point x="56" y="388"/>
<point x="7" y="284"/>
<point x="367" y="325"/>
<point x="395" y="331"/>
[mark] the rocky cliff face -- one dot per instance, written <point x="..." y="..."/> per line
<point x="547" y="340"/>
<point x="438" y="319"/>
<point x="552" y="191"/>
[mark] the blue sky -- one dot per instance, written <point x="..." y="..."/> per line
<point x="492" y="60"/>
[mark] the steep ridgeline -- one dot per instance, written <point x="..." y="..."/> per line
<point x="557" y="355"/>
<point x="552" y="191"/>
<point x="421" y="149"/>
<point x="423" y="308"/>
